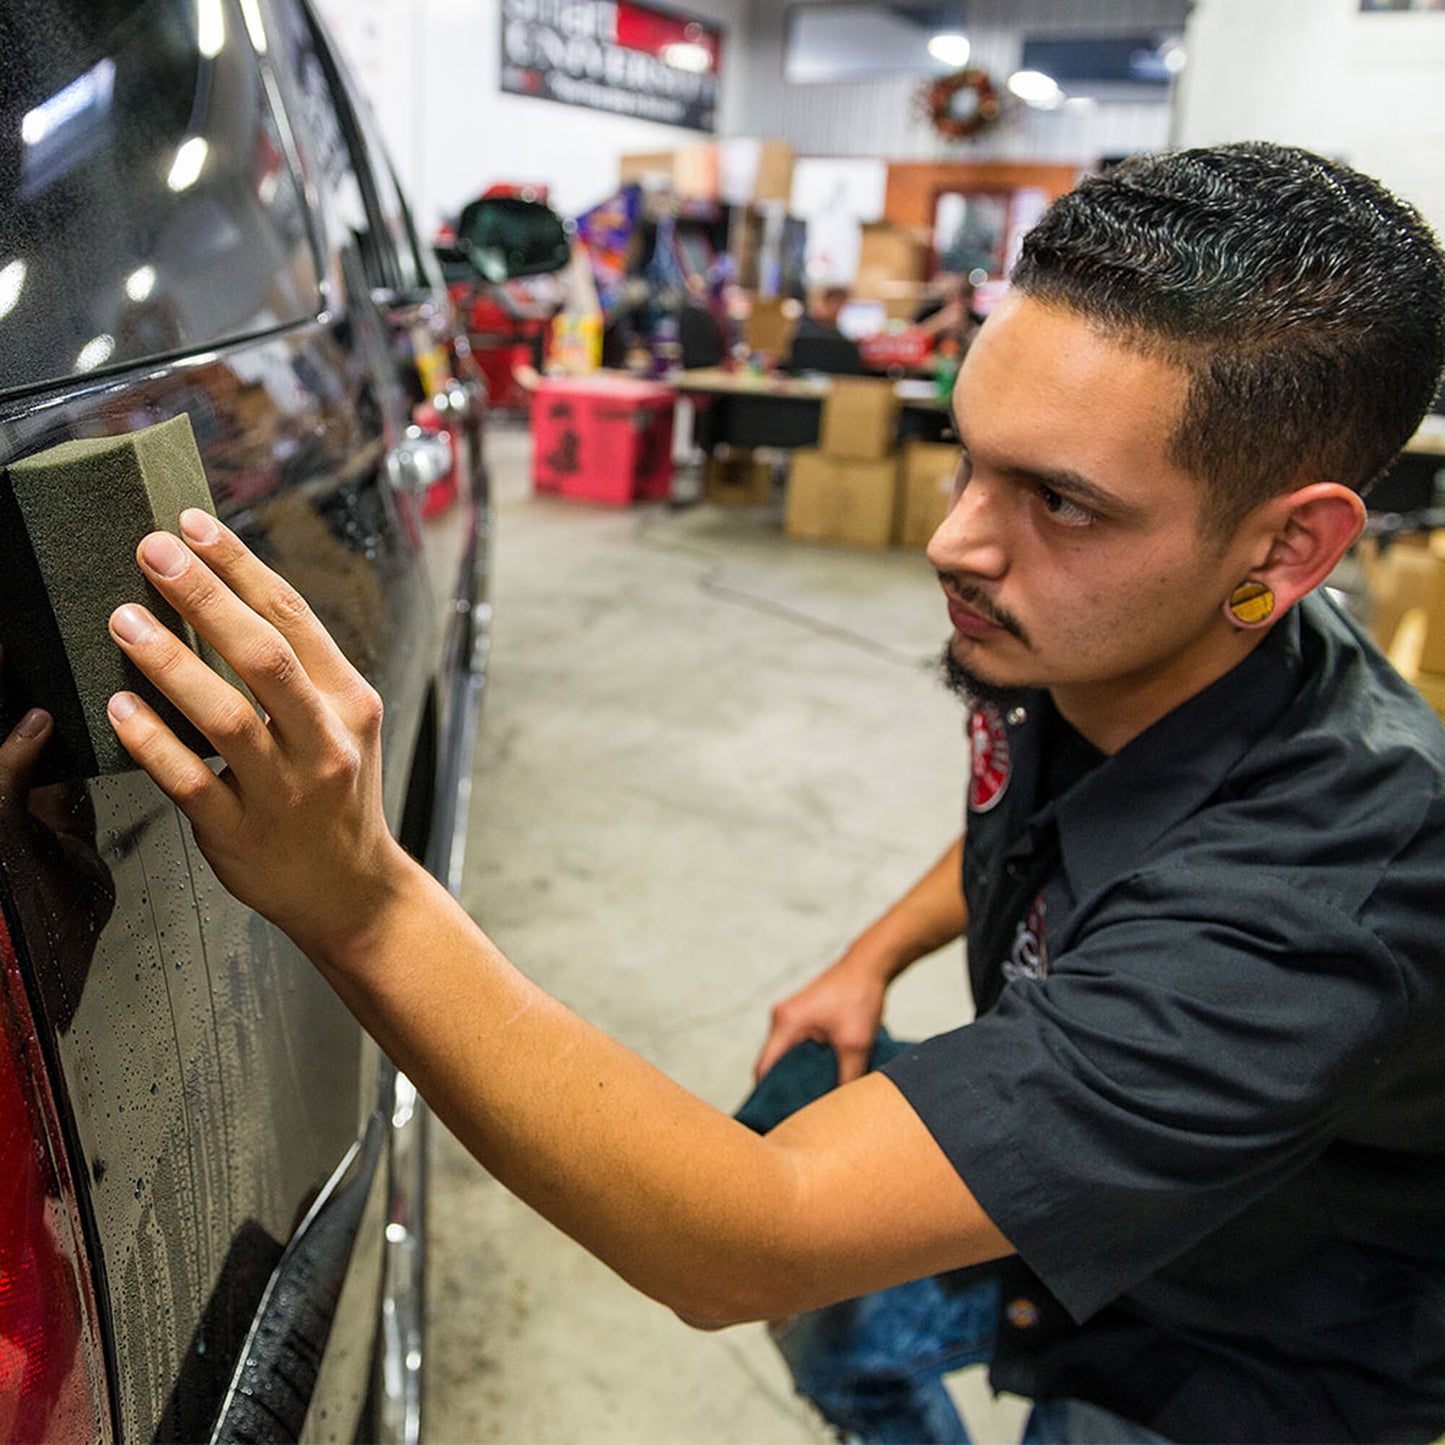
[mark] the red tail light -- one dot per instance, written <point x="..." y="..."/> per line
<point x="51" y="1377"/>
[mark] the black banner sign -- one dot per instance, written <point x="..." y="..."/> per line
<point x="613" y="55"/>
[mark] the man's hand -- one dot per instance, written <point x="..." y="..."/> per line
<point x="842" y="1007"/>
<point x="293" y="825"/>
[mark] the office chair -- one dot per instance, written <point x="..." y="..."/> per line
<point x="836" y="355"/>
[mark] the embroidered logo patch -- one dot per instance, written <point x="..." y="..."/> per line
<point x="991" y="764"/>
<point x="1030" y="955"/>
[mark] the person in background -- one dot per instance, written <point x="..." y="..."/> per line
<point x="1182" y="1177"/>
<point x="948" y="316"/>
<point x="820" y="315"/>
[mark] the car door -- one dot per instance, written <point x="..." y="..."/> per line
<point x="223" y="1124"/>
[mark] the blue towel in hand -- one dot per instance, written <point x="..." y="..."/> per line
<point x="806" y="1072"/>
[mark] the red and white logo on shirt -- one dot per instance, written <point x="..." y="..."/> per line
<point x="991" y="763"/>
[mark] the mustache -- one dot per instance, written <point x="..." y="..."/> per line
<point x="979" y="600"/>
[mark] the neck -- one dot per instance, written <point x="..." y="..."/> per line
<point x="1113" y="713"/>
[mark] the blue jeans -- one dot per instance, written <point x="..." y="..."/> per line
<point x="874" y="1366"/>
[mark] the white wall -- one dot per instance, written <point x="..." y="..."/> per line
<point x="879" y="117"/>
<point x="431" y="70"/>
<point x="1368" y="89"/>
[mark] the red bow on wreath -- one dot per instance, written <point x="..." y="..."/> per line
<point x="960" y="105"/>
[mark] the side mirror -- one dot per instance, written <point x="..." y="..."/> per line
<point x="456" y="264"/>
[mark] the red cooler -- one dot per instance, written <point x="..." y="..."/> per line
<point x="602" y="438"/>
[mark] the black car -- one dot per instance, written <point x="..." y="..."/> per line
<point x="211" y="1182"/>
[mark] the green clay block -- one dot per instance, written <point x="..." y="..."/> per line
<point x="71" y="518"/>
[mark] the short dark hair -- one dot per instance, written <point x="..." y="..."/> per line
<point x="1305" y="302"/>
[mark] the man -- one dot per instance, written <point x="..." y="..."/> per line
<point x="820" y="316"/>
<point x="1201" y="1117"/>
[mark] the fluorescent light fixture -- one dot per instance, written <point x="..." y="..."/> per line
<point x="90" y="91"/>
<point x="190" y="161"/>
<point x="687" y="55"/>
<point x="140" y="283"/>
<point x="951" y="49"/>
<point x="1035" y="88"/>
<point x="210" y="28"/>
<point x="255" y="26"/>
<point x="96" y="352"/>
<point x="12" y="283"/>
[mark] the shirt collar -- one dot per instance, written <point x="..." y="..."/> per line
<point x="1111" y="818"/>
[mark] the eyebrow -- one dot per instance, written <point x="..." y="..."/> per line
<point x="1074" y="485"/>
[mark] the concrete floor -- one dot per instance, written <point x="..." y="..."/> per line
<point x="708" y="756"/>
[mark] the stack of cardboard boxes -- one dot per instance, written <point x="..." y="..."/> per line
<point x="845" y="489"/>
<point x="925" y="489"/>
<point x="855" y="489"/>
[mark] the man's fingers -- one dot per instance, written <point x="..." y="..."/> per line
<point x="272" y="597"/>
<point x="183" y="777"/>
<point x="261" y="655"/>
<point x="20" y="752"/>
<point x="220" y="712"/>
<point x="852" y="1061"/>
<point x="778" y="1043"/>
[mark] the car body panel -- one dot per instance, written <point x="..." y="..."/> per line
<point x="211" y="1087"/>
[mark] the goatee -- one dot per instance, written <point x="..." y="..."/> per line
<point x="970" y="687"/>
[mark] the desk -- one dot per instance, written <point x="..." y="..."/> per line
<point x="747" y="410"/>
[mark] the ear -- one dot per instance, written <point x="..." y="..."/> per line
<point x="1302" y="535"/>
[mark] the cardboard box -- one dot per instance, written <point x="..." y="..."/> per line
<point x="690" y="171"/>
<point x="755" y="170"/>
<point x="846" y="503"/>
<point x="650" y="168"/>
<point x="770" y="324"/>
<point x="925" y="489"/>
<point x="860" y="419"/>
<point x="889" y="256"/>
<point x="738" y="477"/>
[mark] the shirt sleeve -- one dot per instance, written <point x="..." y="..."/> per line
<point x="1193" y="1048"/>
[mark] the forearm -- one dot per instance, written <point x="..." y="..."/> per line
<point x="684" y="1203"/>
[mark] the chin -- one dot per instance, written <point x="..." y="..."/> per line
<point x="974" y="687"/>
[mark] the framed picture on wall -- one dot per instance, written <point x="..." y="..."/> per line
<point x="1373" y="5"/>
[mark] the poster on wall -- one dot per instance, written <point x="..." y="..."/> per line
<point x="641" y="61"/>
<point x="1402" y="4"/>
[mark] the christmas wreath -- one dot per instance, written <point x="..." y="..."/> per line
<point x="960" y="105"/>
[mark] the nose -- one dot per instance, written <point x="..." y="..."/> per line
<point x="970" y="539"/>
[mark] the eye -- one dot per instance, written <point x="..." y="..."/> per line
<point x="1063" y="511"/>
<point x="961" y="474"/>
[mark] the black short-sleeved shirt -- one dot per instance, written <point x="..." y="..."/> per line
<point x="1204" y="1097"/>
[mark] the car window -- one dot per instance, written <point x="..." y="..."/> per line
<point x="121" y="203"/>
<point x="335" y="138"/>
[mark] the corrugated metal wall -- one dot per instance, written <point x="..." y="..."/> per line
<point x="880" y="117"/>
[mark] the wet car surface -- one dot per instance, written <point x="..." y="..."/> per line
<point x="215" y="1230"/>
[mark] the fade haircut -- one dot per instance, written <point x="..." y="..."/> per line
<point x="1305" y="303"/>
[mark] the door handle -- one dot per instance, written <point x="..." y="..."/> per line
<point x="420" y="459"/>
